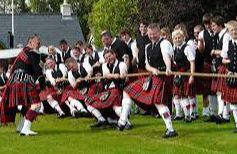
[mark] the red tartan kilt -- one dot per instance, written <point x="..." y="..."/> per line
<point x="206" y="81"/>
<point x="114" y="99"/>
<point x="21" y="94"/>
<point x="156" y="94"/>
<point x="70" y="92"/>
<point x="94" y="89"/>
<point x="218" y="83"/>
<point x="48" y="91"/>
<point x="185" y="89"/>
<point x="230" y="94"/>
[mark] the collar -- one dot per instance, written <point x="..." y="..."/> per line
<point x="130" y="39"/>
<point x="222" y="32"/>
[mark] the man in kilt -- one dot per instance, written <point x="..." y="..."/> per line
<point x="207" y="41"/>
<point x="153" y="90"/>
<point x="21" y="91"/>
<point x="113" y="96"/>
<point x="218" y="84"/>
<point x="53" y="91"/>
<point x="184" y="61"/>
<point x="75" y="96"/>
<point x="230" y="59"/>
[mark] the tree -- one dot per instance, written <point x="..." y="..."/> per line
<point x="111" y="15"/>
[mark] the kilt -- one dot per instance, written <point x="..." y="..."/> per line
<point x="185" y="89"/>
<point x="218" y="84"/>
<point x="19" y="93"/>
<point x="206" y="81"/>
<point x="50" y="90"/>
<point x="106" y="99"/>
<point x="230" y="94"/>
<point x="156" y="94"/>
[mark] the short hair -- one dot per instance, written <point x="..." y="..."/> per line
<point x="49" y="58"/>
<point x="108" y="51"/>
<point x="51" y="47"/>
<point x="62" y="42"/>
<point x="76" y="48"/>
<point x="206" y="19"/>
<point x="219" y="20"/>
<point x="199" y="27"/>
<point x="153" y="26"/>
<point x="166" y="30"/>
<point x="89" y="46"/>
<point x="125" y="31"/>
<point x="144" y="22"/>
<point x="70" y="60"/>
<point x="177" y="32"/>
<point x="183" y="28"/>
<point x="80" y="43"/>
<point x="231" y="23"/>
<point x="106" y="33"/>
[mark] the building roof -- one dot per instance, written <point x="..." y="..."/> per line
<point x="50" y="27"/>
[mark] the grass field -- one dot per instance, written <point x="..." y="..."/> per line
<point x="74" y="136"/>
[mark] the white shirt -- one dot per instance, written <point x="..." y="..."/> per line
<point x="226" y="48"/>
<point x="166" y="48"/>
<point x="189" y="52"/>
<point x="122" y="68"/>
<point x="135" y="50"/>
<point x="72" y="79"/>
<point x="86" y="59"/>
<point x="49" y="76"/>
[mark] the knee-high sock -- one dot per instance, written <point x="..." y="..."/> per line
<point x="96" y="113"/>
<point x="193" y="106"/>
<point x="165" y="114"/>
<point x="41" y="108"/>
<point x="20" y="124"/>
<point x="212" y="104"/>
<point x="77" y="105"/>
<point x="126" y="107"/>
<point x="233" y="107"/>
<point x="117" y="110"/>
<point x="185" y="106"/>
<point x="220" y="103"/>
<point x="226" y="111"/>
<point x="54" y="104"/>
<point x="177" y="105"/>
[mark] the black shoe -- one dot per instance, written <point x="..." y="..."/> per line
<point x="127" y="126"/>
<point x="177" y="118"/>
<point x="212" y="118"/>
<point x="61" y="116"/>
<point x="121" y="127"/>
<point x="221" y="120"/>
<point x="235" y="131"/>
<point x="193" y="116"/>
<point x="99" y="124"/>
<point x="169" y="134"/>
<point x="187" y="119"/>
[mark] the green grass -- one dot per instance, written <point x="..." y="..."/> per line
<point x="69" y="136"/>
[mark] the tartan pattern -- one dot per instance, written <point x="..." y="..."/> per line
<point x="185" y="89"/>
<point x="48" y="91"/>
<point x="219" y="83"/>
<point x="95" y="88"/>
<point x="230" y="95"/>
<point x="206" y="81"/>
<point x="114" y="99"/>
<point x="157" y="93"/>
<point x="19" y="93"/>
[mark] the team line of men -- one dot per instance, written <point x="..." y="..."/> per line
<point x="213" y="50"/>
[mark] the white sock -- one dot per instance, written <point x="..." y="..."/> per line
<point x="117" y="110"/>
<point x="126" y="107"/>
<point x="177" y="106"/>
<point x="96" y="113"/>
<point x="233" y="107"/>
<point x="77" y="105"/>
<point x="185" y="106"/>
<point x="192" y="102"/>
<point x="205" y="111"/>
<point x="220" y="103"/>
<point x="212" y="104"/>
<point x="226" y="111"/>
<point x="54" y="104"/>
<point x="41" y="108"/>
<point x="165" y="114"/>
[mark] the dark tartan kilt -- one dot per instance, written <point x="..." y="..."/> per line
<point x="206" y="81"/>
<point x="185" y="89"/>
<point x="106" y="99"/>
<point x="156" y="94"/>
<point x="218" y="84"/>
<point x="230" y="94"/>
<point x="19" y="93"/>
<point x="50" y="90"/>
